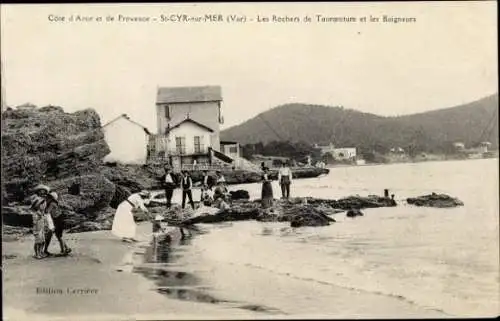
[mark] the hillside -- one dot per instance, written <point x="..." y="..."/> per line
<point x="430" y="131"/>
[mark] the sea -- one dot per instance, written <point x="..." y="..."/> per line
<point x="405" y="261"/>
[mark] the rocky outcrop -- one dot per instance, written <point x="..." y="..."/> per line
<point x="62" y="150"/>
<point x="435" y="200"/>
<point x="48" y="144"/>
<point x="133" y="177"/>
<point x="298" y="211"/>
<point x="14" y="233"/>
<point x="357" y="202"/>
<point x="302" y="172"/>
<point x="95" y="192"/>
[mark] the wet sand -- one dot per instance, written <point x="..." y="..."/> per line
<point x="94" y="283"/>
<point x="107" y="279"/>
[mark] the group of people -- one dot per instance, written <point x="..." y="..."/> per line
<point x="48" y="219"/>
<point x="285" y="178"/>
<point x="211" y="190"/>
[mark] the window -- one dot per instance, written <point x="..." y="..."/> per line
<point x="198" y="145"/>
<point x="180" y="145"/>
<point x="167" y="112"/>
<point x="233" y="150"/>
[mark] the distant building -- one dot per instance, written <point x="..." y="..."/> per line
<point x="127" y="141"/>
<point x="201" y="104"/>
<point x="231" y="149"/>
<point x="188" y="126"/>
<point x="484" y="146"/>
<point x="397" y="150"/>
<point x="459" y="146"/>
<point x="270" y="161"/>
<point x="347" y="153"/>
<point x="325" y="148"/>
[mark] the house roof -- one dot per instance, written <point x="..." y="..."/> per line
<point x="227" y="142"/>
<point x="188" y="94"/>
<point x="126" y="117"/>
<point x="189" y="120"/>
<point x="223" y="157"/>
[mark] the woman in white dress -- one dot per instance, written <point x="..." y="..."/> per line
<point x="123" y="223"/>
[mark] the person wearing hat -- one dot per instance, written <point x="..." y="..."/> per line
<point x="267" y="189"/>
<point x="169" y="184"/>
<point x="39" y="226"/>
<point x="40" y="222"/>
<point x="285" y="180"/>
<point x="123" y="223"/>
<point x="186" y="186"/>
<point x="157" y="228"/>
<point x="207" y="184"/>
<point x="55" y="215"/>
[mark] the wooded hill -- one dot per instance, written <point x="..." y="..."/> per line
<point x="433" y="131"/>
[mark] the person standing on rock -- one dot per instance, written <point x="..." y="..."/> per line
<point x="169" y="184"/>
<point x="187" y="185"/>
<point x="123" y="223"/>
<point x="285" y="180"/>
<point x="267" y="190"/>
<point x="52" y="209"/>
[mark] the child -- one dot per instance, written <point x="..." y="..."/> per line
<point x="157" y="228"/>
<point x="39" y="226"/>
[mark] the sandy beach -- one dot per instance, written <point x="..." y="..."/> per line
<point x="95" y="282"/>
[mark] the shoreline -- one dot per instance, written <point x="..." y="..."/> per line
<point x="106" y="274"/>
<point x="97" y="277"/>
<point x="408" y="162"/>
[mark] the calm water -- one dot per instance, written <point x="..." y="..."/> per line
<point x="393" y="262"/>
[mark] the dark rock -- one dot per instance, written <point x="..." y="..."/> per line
<point x="240" y="195"/>
<point x="134" y="177"/>
<point x="14" y="233"/>
<point x="17" y="216"/>
<point x="357" y="202"/>
<point x="302" y="172"/>
<point x="354" y="213"/>
<point x="96" y="193"/>
<point x="435" y="200"/>
<point x="224" y="216"/>
<point x="88" y="226"/>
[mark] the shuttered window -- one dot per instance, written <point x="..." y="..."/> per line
<point x="167" y="112"/>
<point x="180" y="145"/>
<point x="198" y="145"/>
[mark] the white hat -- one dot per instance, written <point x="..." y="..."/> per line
<point x="42" y="187"/>
<point x="158" y="217"/>
<point x="54" y="196"/>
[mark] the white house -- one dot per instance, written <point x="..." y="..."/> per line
<point x="483" y="147"/>
<point x="344" y="153"/>
<point x="127" y="141"/>
<point x="201" y="104"/>
<point x="326" y="148"/>
<point x="189" y="142"/>
<point x="188" y="127"/>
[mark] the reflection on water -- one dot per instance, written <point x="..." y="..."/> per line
<point x="158" y="259"/>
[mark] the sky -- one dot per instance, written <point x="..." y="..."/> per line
<point x="447" y="57"/>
